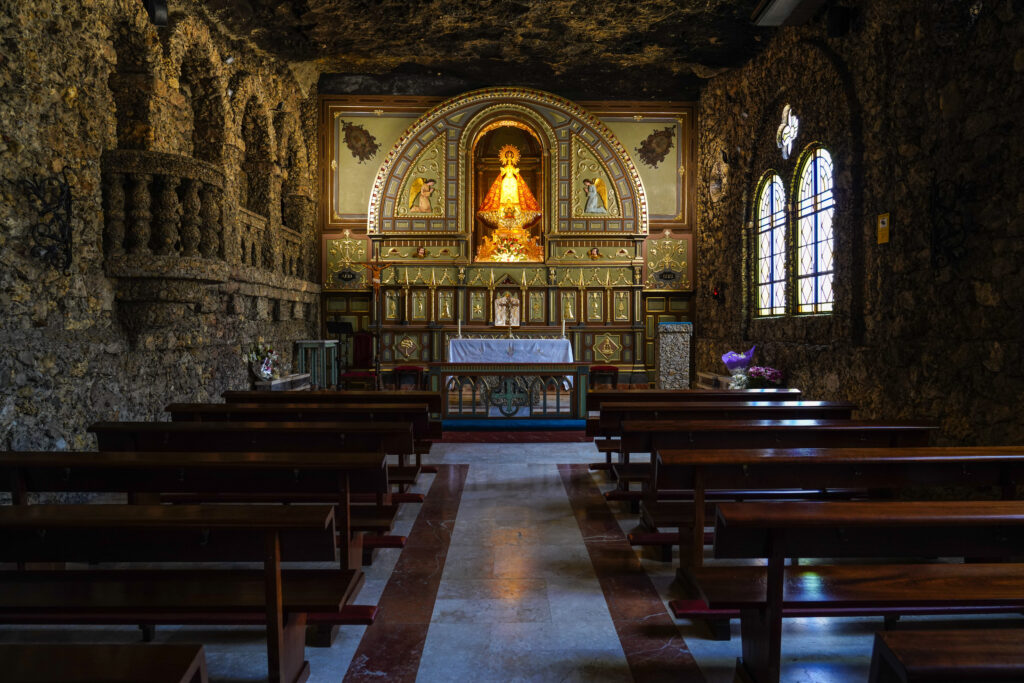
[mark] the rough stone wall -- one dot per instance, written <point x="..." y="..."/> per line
<point x="920" y="105"/>
<point x="157" y="304"/>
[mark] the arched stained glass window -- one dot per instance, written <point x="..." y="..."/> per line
<point x="814" y="211"/>
<point x="770" y="228"/>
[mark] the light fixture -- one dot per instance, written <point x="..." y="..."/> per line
<point x="784" y="12"/>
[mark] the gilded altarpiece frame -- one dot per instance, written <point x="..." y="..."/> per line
<point x="595" y="306"/>
<point x="568" y="312"/>
<point x="446" y="305"/>
<point x="478" y="306"/>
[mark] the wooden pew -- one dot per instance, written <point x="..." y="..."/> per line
<point x="382" y="437"/>
<point x="891" y="469"/>
<point x="777" y="531"/>
<point x="416" y="413"/>
<point x="650" y="436"/>
<point x="614" y="413"/>
<point x="597" y="397"/>
<point x="431" y="398"/>
<point x="196" y="476"/>
<point x="974" y="655"/>
<point x="143" y="533"/>
<point x="102" y="663"/>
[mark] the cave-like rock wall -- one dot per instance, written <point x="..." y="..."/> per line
<point x="163" y="135"/>
<point x="920" y="105"/>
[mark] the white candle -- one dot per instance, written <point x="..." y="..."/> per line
<point x="563" y="328"/>
<point x="460" y="328"/>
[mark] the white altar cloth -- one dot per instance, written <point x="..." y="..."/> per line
<point x="509" y="351"/>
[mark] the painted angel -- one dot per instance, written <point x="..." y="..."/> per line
<point x="597" y="196"/>
<point x="419" y="195"/>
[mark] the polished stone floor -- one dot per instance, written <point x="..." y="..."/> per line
<point x="525" y="591"/>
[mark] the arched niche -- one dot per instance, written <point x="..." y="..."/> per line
<point x="444" y="141"/>
<point x="494" y="133"/>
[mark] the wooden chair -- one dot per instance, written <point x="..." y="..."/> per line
<point x="606" y="374"/>
<point x="401" y="373"/>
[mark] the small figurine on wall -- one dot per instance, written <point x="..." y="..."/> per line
<point x="594" y="253"/>
<point x="421" y="252"/>
<point x="419" y="195"/>
<point x="597" y="196"/>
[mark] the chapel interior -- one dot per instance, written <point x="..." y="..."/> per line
<point x="477" y="268"/>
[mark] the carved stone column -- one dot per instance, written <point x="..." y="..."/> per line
<point x="113" y="242"/>
<point x="167" y="216"/>
<point x="190" y="219"/>
<point x="210" y="240"/>
<point x="140" y="214"/>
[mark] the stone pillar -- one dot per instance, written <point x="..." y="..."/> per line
<point x="672" y="354"/>
<point x="190" y="219"/>
<point x="114" y="235"/>
<point x="139" y="213"/>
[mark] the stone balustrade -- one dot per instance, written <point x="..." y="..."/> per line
<point x="162" y="205"/>
<point x="255" y="247"/>
<point x="291" y="253"/>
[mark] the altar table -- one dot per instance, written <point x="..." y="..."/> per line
<point x="509" y="351"/>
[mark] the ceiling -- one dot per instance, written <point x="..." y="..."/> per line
<point x="623" y="49"/>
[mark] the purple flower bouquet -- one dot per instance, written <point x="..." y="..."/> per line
<point x="737" y="364"/>
<point x="761" y="377"/>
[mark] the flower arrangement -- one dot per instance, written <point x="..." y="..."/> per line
<point x="762" y="376"/>
<point x="264" y="361"/>
<point x="737" y="364"/>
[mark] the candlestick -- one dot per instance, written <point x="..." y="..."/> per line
<point x="563" y="328"/>
<point x="460" y="328"/>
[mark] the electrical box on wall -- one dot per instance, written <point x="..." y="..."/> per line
<point x="883" y="228"/>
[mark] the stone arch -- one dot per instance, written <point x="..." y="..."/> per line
<point x="132" y="80"/>
<point x="841" y="132"/>
<point x="452" y="116"/>
<point x="298" y="211"/>
<point x="193" y="66"/>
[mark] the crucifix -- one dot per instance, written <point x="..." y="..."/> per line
<point x="508" y="304"/>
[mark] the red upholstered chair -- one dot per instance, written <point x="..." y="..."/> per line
<point x="413" y="373"/>
<point x="359" y="379"/>
<point x="607" y="374"/>
<point x="362" y="350"/>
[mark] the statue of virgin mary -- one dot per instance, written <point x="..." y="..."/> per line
<point x="509" y="204"/>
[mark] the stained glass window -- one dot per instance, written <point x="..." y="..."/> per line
<point x="814" y="211"/>
<point x="770" y="229"/>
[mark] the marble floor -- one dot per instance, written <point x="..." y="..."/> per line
<point x="516" y="570"/>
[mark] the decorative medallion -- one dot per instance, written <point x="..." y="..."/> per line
<point x="718" y="183"/>
<point x="607" y="348"/>
<point x="653" y="150"/>
<point x="359" y="141"/>
<point x="788" y="129"/>
<point x="668" y="264"/>
<point x="407" y="346"/>
<point x="345" y="258"/>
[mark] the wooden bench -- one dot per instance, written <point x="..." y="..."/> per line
<point x="424" y="428"/>
<point x="737" y="473"/>
<point x="961" y="655"/>
<point x="151" y="534"/>
<point x="777" y="531"/>
<point x="651" y="436"/>
<point x="197" y="477"/>
<point x="596" y="397"/>
<point x="431" y="398"/>
<point x="102" y="663"/>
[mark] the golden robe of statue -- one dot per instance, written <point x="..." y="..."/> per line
<point x="509" y="206"/>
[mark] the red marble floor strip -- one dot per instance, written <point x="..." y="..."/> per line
<point x="653" y="646"/>
<point x="539" y="436"/>
<point x="391" y="648"/>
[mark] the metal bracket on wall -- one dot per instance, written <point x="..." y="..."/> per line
<point x="52" y="233"/>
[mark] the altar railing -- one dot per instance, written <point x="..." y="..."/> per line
<point x="511" y="390"/>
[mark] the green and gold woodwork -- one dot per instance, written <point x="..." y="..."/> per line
<point x="507" y="205"/>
